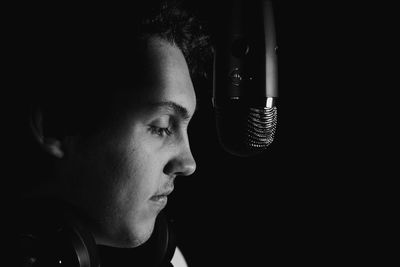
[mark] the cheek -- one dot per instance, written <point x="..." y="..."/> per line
<point x="139" y="169"/>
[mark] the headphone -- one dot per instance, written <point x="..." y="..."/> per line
<point x="51" y="233"/>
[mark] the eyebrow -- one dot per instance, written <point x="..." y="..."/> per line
<point x="176" y="108"/>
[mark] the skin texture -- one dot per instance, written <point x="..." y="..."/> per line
<point x="113" y="175"/>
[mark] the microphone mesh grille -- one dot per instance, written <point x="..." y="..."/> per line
<point x="245" y="130"/>
<point x="261" y="126"/>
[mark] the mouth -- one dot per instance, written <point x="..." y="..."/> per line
<point x="161" y="198"/>
<point x="160" y="201"/>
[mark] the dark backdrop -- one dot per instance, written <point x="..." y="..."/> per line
<point x="315" y="195"/>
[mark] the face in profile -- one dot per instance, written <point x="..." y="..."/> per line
<point x="122" y="176"/>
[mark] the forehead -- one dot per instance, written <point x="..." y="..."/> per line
<point x="166" y="76"/>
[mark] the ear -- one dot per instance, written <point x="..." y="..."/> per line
<point x="50" y="144"/>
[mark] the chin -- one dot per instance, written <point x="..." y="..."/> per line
<point x="141" y="235"/>
<point x="129" y="237"/>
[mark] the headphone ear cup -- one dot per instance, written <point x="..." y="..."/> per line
<point x="50" y="234"/>
<point x="82" y="241"/>
<point x="166" y="239"/>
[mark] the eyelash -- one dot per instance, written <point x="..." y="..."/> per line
<point x="161" y="132"/>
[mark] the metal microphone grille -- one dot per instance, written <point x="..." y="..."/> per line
<point x="261" y="126"/>
<point x="244" y="130"/>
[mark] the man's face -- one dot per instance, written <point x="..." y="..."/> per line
<point x="122" y="175"/>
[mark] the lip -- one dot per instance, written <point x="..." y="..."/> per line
<point x="160" y="200"/>
<point x="163" y="193"/>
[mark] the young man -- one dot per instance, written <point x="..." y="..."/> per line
<point x="113" y="119"/>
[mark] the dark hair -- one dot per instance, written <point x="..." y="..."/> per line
<point x="86" y="57"/>
<point x="176" y="25"/>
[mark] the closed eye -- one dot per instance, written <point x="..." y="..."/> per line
<point x="159" y="131"/>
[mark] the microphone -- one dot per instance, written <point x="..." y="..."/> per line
<point x="245" y="85"/>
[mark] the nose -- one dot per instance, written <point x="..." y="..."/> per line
<point x="183" y="164"/>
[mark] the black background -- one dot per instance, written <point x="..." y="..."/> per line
<point x="316" y="196"/>
<point x="319" y="194"/>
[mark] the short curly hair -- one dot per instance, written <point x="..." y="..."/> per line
<point x="93" y="55"/>
<point x="175" y="24"/>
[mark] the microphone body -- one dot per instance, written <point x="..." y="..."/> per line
<point x="246" y="77"/>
